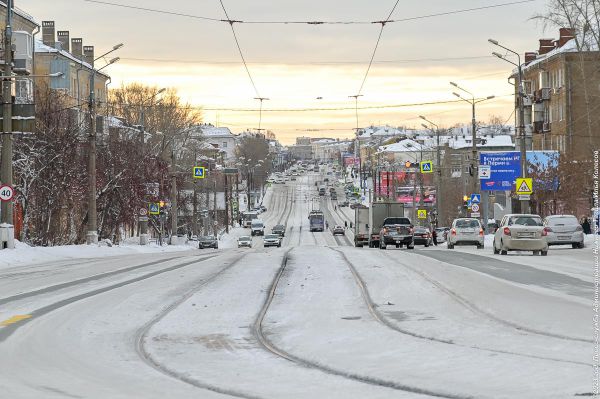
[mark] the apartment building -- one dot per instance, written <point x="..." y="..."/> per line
<point x="562" y="84"/>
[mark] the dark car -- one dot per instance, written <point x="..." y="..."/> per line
<point x="279" y="230"/>
<point x="344" y="203"/>
<point x="422" y="236"/>
<point x="208" y="242"/>
<point x="263" y="208"/>
<point x="338" y="230"/>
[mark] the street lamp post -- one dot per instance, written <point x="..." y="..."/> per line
<point x="474" y="158"/>
<point x="522" y="135"/>
<point x="438" y="173"/>
<point x="357" y="146"/>
<point x="92" y="226"/>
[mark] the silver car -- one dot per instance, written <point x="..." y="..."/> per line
<point x="521" y="232"/>
<point x="564" y="229"/>
<point x="466" y="231"/>
<point x="245" y="241"/>
<point x="272" y="240"/>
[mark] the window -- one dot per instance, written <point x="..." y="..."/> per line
<point x="224" y="144"/>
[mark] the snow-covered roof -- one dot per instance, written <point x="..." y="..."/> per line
<point x="568" y="47"/>
<point x="209" y="130"/>
<point x="40" y="47"/>
<point x="21" y="13"/>
<point x="382" y="131"/>
<point x="402" y="146"/>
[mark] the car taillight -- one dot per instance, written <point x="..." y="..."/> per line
<point x="506" y="231"/>
<point x="545" y="232"/>
<point x="453" y="232"/>
<point x="480" y="232"/>
<point x="548" y="229"/>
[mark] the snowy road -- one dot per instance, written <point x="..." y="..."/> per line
<point x="316" y="318"/>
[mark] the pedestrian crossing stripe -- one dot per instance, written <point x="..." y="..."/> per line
<point x="524" y="185"/>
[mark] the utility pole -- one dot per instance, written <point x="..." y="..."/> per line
<point x="92" y="228"/>
<point x="6" y="173"/>
<point x="522" y="133"/>
<point x="226" y="205"/>
<point x="438" y="172"/>
<point x="174" y="210"/>
<point x="215" y="207"/>
<point x="357" y="146"/>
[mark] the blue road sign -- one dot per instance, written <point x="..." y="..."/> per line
<point x="504" y="170"/>
<point x="199" y="172"/>
<point x="475" y="198"/>
<point x="154" y="208"/>
<point x="426" y="166"/>
<point x="469" y="203"/>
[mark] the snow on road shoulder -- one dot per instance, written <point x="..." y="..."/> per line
<point x="24" y="254"/>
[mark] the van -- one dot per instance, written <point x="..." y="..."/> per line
<point x="257" y="228"/>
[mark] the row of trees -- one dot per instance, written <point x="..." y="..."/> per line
<point x="50" y="165"/>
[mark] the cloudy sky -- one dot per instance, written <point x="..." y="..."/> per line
<point x="301" y="66"/>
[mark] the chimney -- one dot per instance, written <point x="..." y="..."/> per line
<point x="566" y="34"/>
<point x="530" y="56"/>
<point x="76" y="47"/>
<point x="546" y="45"/>
<point x="88" y="54"/>
<point x="48" y="33"/>
<point x="63" y="39"/>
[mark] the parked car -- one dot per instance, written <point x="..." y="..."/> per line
<point x="194" y="237"/>
<point x="343" y="203"/>
<point x="422" y="236"/>
<point x="208" y="242"/>
<point x="442" y="234"/>
<point x="466" y="231"/>
<point x="245" y="241"/>
<point x="272" y="240"/>
<point x="338" y="230"/>
<point x="279" y="230"/>
<point x="257" y="228"/>
<point x="521" y="232"/>
<point x="564" y="229"/>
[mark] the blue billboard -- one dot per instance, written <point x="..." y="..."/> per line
<point x="505" y="167"/>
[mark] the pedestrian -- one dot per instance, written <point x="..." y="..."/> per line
<point x="434" y="236"/>
<point x="335" y="207"/>
<point x="585" y="225"/>
<point x="350" y="224"/>
<point x="345" y="224"/>
<point x="326" y="224"/>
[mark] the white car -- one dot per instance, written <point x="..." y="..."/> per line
<point x="521" y="232"/>
<point x="465" y="231"/>
<point x="564" y="229"/>
<point x="257" y="228"/>
<point x="245" y="241"/>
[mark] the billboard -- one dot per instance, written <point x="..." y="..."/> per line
<point x="505" y="167"/>
<point x="401" y="186"/>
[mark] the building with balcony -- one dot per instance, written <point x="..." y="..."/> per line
<point x="562" y="87"/>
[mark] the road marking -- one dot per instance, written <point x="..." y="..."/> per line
<point x="15" y="319"/>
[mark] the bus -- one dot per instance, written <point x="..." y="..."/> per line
<point x="317" y="220"/>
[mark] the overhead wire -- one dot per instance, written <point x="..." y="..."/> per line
<point x="237" y="43"/>
<point x="308" y="22"/>
<point x="376" y="46"/>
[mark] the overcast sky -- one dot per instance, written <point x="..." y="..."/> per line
<point x="294" y="64"/>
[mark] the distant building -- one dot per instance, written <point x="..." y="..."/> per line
<point x="219" y="137"/>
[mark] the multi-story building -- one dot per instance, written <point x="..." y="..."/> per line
<point x="74" y="60"/>
<point x="219" y="137"/>
<point x="562" y="86"/>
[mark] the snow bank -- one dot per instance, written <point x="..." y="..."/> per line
<point x="24" y="254"/>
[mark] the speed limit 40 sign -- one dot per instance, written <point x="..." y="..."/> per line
<point x="6" y="193"/>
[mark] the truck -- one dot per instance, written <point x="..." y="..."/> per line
<point x="361" y="227"/>
<point x="317" y="220"/>
<point x="378" y="212"/>
<point x="248" y="217"/>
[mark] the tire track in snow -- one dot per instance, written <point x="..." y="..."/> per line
<point x="377" y="315"/>
<point x="268" y="345"/>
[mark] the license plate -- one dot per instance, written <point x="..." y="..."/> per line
<point x="564" y="237"/>
<point x="525" y="235"/>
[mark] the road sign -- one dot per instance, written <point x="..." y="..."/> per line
<point x="231" y="171"/>
<point x="504" y="170"/>
<point x="6" y="193"/>
<point x="469" y="203"/>
<point x="426" y="166"/>
<point x="524" y="185"/>
<point x="154" y="208"/>
<point x="143" y="211"/>
<point x="215" y="223"/>
<point x="485" y="172"/>
<point x="422" y="213"/>
<point x="524" y="197"/>
<point x="475" y="214"/>
<point x="475" y="208"/>
<point x="199" y="172"/>
<point x="143" y="218"/>
<point x="475" y="198"/>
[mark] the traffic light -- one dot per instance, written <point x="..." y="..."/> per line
<point x="465" y="202"/>
<point x="409" y="164"/>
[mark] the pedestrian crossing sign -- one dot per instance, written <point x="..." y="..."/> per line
<point x="524" y="185"/>
<point x="426" y="166"/>
<point x="154" y="208"/>
<point x="199" y="172"/>
<point x="422" y="213"/>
